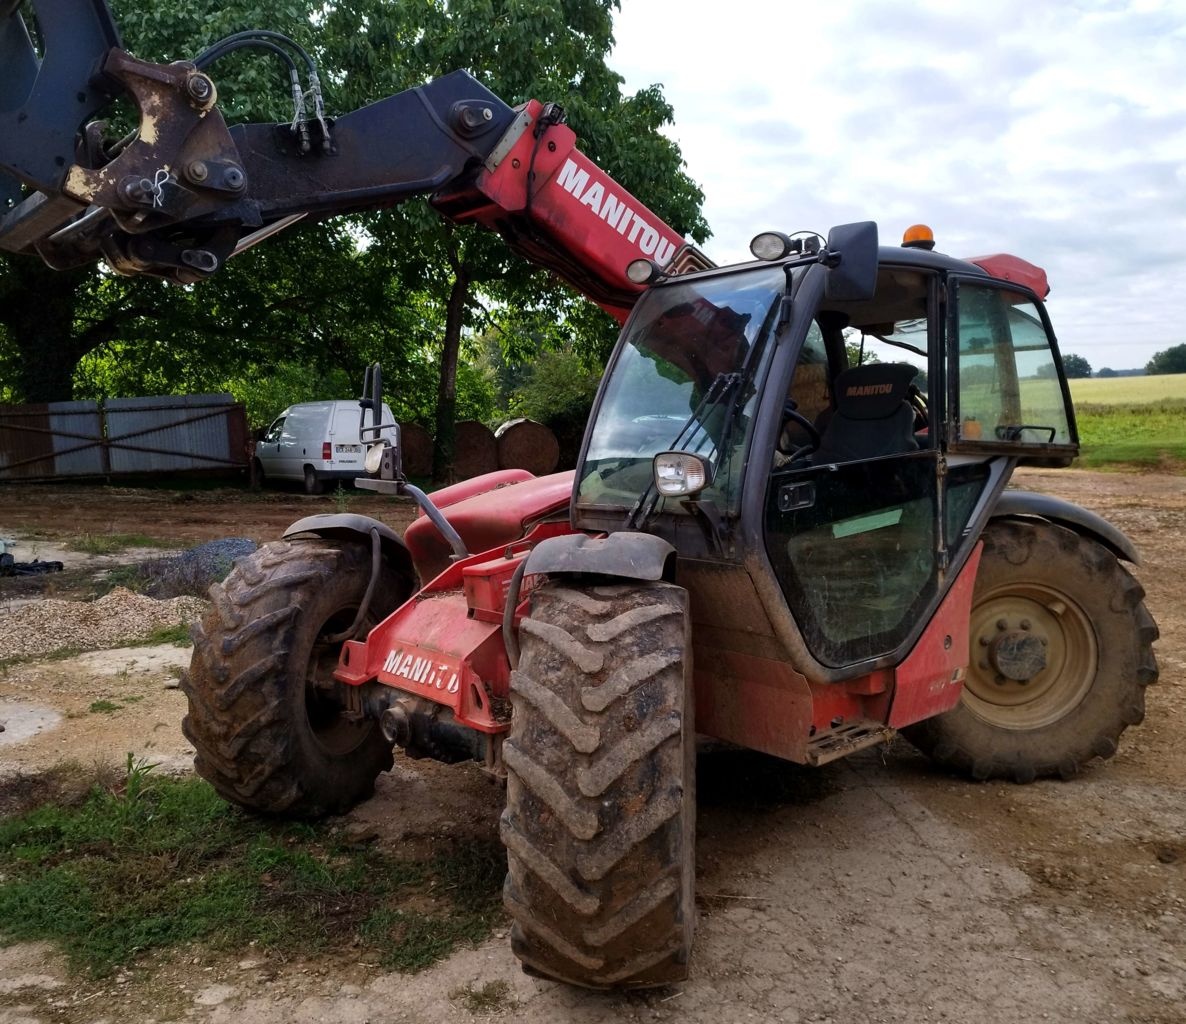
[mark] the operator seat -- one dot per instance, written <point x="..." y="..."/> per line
<point x="872" y="417"/>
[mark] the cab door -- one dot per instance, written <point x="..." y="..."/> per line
<point x="853" y="529"/>
<point x="1008" y="393"/>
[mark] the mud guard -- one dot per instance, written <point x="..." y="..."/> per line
<point x="632" y="556"/>
<point x="1080" y="520"/>
<point x="348" y="525"/>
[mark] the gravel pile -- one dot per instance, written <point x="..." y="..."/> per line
<point x="113" y="621"/>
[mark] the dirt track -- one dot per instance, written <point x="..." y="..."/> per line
<point x="871" y="890"/>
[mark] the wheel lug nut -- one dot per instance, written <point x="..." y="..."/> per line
<point x="1002" y="625"/>
<point x="1000" y="680"/>
<point x="1025" y="624"/>
<point x="984" y="641"/>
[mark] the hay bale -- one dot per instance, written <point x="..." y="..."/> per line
<point x="476" y="451"/>
<point x="525" y="444"/>
<point x="417" y="450"/>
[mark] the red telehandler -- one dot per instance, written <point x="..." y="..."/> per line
<point x="761" y="543"/>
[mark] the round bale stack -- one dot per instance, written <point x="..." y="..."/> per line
<point x="525" y="444"/>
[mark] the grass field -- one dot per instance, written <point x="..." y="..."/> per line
<point x="1132" y="421"/>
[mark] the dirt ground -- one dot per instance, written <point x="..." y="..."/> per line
<point x="873" y="890"/>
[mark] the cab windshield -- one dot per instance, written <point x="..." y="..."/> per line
<point x="684" y="378"/>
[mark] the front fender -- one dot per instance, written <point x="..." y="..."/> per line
<point x="350" y="526"/>
<point x="632" y="556"/>
<point x="1043" y="506"/>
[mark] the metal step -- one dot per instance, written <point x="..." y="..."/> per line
<point x="846" y="739"/>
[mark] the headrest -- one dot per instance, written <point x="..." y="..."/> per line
<point x="873" y="391"/>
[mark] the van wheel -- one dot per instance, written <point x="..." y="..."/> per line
<point x="312" y="484"/>
<point x="258" y="476"/>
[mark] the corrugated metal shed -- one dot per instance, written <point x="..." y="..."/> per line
<point x="165" y="434"/>
<point x="175" y="432"/>
<point x="51" y="439"/>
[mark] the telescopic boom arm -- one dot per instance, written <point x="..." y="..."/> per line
<point x="183" y="193"/>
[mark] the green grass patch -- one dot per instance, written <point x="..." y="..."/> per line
<point x="177" y="635"/>
<point x="146" y="862"/>
<point x="1148" y="435"/>
<point x="109" y="543"/>
<point x="492" y="997"/>
<point x="103" y="707"/>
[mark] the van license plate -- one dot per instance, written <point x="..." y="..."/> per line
<point x="348" y="448"/>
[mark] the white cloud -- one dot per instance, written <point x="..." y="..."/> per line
<point x="1055" y="131"/>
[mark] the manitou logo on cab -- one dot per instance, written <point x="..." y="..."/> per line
<point x="869" y="389"/>
<point x="424" y="671"/>
<point x="615" y="212"/>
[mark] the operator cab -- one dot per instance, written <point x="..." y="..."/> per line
<point x="918" y="398"/>
<point x="854" y="428"/>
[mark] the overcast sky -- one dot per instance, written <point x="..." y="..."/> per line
<point x="1052" y="130"/>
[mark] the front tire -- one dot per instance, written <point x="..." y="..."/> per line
<point x="313" y="483"/>
<point x="266" y="718"/>
<point x="600" y="818"/>
<point x="1061" y="655"/>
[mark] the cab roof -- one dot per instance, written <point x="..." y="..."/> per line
<point x="1001" y="266"/>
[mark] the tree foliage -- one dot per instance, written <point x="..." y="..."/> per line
<point x="1076" y="366"/>
<point x="1170" y="360"/>
<point x="398" y="285"/>
<point x="519" y="49"/>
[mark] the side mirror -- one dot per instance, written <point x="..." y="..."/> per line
<point x="851" y="260"/>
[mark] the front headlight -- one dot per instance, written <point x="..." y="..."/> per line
<point x="678" y="474"/>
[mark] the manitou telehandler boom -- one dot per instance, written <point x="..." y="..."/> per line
<point x="761" y="543"/>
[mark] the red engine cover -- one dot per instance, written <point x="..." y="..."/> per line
<point x="490" y="519"/>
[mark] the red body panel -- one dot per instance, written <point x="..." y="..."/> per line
<point x="931" y="678"/>
<point x="493" y="517"/>
<point x="768" y="706"/>
<point x="1014" y="268"/>
<point x="445" y="643"/>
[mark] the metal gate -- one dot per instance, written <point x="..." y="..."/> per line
<point x="123" y="436"/>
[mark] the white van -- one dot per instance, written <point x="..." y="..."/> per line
<point x="315" y="442"/>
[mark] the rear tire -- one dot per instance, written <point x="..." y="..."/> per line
<point x="600" y="818"/>
<point x="313" y="483"/>
<point x="265" y="716"/>
<point x="1061" y="655"/>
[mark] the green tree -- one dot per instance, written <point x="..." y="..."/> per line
<point x="315" y="297"/>
<point x="280" y="304"/>
<point x="559" y="393"/>
<point x="519" y="50"/>
<point x="1076" y="366"/>
<point x="1171" y="360"/>
<point x="1106" y="371"/>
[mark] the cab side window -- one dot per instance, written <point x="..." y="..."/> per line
<point x="273" y="434"/>
<point x="1008" y="388"/>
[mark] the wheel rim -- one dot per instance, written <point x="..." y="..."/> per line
<point x="1034" y="656"/>
<point x="325" y="709"/>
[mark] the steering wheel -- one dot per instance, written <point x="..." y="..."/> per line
<point x="790" y="412"/>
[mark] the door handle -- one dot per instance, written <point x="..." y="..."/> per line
<point x="792" y="497"/>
